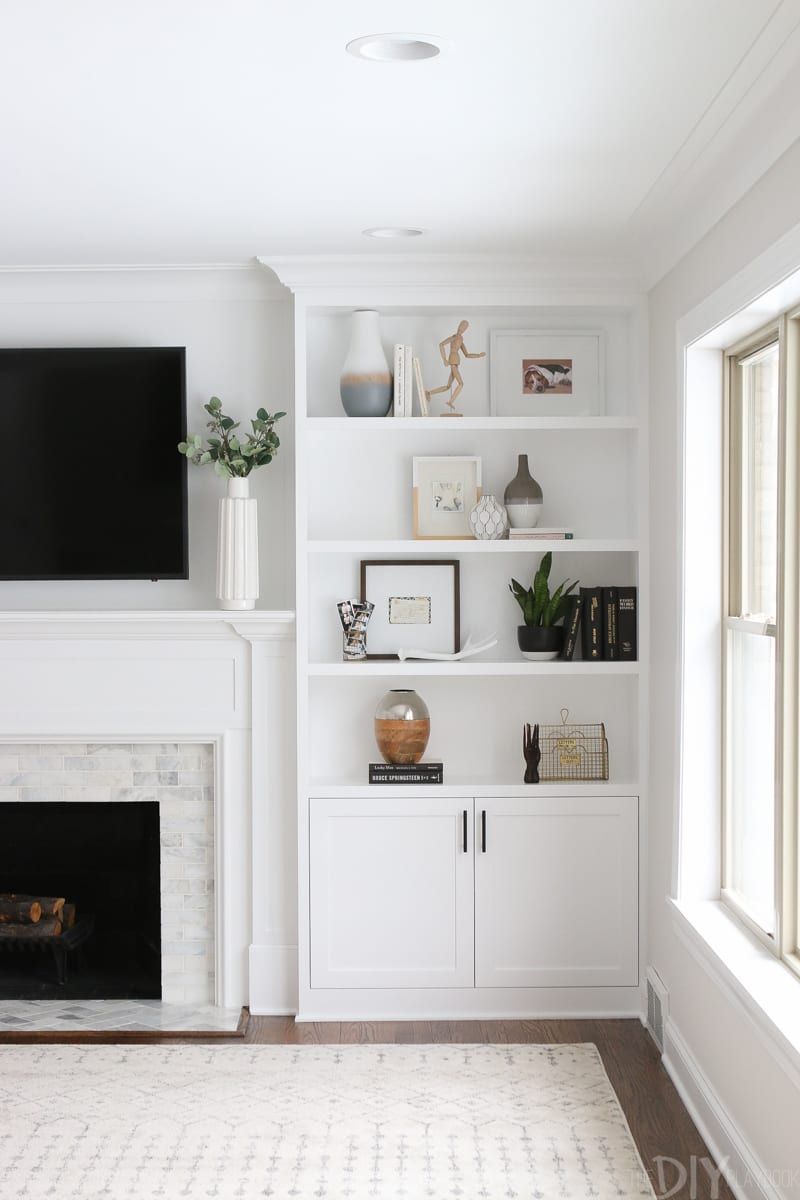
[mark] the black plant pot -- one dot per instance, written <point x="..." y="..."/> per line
<point x="540" y="644"/>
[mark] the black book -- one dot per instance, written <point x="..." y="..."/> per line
<point x="428" y="772"/>
<point x="611" y="624"/>
<point x="592" y="623"/>
<point x="572" y="620"/>
<point x="626" y="624"/>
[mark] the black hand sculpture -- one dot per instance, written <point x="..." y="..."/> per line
<point x="532" y="753"/>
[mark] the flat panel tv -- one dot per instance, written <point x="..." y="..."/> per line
<point x="91" y="483"/>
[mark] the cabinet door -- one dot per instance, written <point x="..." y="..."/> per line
<point x="556" y="892"/>
<point x="392" y="893"/>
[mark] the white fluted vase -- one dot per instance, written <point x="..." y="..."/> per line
<point x="237" y="547"/>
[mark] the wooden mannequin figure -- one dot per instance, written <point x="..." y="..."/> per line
<point x="532" y="753"/>
<point x="451" y="349"/>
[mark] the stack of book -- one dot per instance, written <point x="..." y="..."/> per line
<point x="407" y="375"/>
<point x="424" y="772"/>
<point x="538" y="533"/>
<point x="605" y="619"/>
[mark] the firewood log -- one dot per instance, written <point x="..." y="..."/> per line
<point x="51" y="905"/>
<point x="68" y="916"/>
<point x="47" y="927"/>
<point x="21" y="912"/>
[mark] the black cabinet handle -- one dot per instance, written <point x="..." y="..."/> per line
<point x="465" y="831"/>
<point x="483" y="831"/>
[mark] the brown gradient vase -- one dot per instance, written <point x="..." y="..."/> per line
<point x="402" y="726"/>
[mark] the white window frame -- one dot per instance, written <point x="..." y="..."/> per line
<point x="785" y="332"/>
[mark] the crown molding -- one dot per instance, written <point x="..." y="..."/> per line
<point x="746" y="128"/>
<point x="304" y="273"/>
<point x="104" y="268"/>
<point x="112" y="283"/>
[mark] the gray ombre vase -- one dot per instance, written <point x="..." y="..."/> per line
<point x="523" y="498"/>
<point x="366" y="382"/>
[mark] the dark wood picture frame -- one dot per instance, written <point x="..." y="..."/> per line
<point x="417" y="562"/>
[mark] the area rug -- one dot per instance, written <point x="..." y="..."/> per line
<point x="312" y="1122"/>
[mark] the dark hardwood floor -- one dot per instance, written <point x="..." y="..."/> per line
<point x="671" y="1148"/>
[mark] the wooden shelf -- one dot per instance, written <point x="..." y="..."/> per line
<point x="353" y="789"/>
<point x="367" y="547"/>
<point x="370" y="669"/>
<point x="454" y="424"/>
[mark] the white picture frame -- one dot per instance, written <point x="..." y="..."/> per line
<point x="445" y="489"/>
<point x="528" y="367"/>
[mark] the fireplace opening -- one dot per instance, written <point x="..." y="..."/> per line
<point x="103" y="860"/>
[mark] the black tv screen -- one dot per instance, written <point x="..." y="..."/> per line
<point x="91" y="483"/>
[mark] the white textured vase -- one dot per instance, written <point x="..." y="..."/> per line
<point x="237" y="547"/>
<point x="488" y="520"/>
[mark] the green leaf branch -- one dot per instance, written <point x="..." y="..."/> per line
<point x="232" y="454"/>
<point x="538" y="606"/>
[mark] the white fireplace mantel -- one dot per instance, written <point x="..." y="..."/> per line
<point x="218" y="677"/>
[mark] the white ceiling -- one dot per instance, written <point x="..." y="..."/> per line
<point x="169" y="131"/>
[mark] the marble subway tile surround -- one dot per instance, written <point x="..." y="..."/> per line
<point x="180" y="777"/>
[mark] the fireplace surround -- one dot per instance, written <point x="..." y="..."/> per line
<point x="214" y="688"/>
<point x="75" y="793"/>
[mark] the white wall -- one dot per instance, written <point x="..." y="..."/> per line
<point x="236" y="325"/>
<point x="760" y="1097"/>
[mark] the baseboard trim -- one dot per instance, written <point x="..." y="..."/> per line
<point x="273" y="981"/>
<point x="273" y="1012"/>
<point x="745" y="1174"/>
<point x="358" y="1016"/>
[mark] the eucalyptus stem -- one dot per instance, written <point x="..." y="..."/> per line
<point x="230" y="456"/>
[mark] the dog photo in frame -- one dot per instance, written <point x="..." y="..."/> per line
<point x="543" y="373"/>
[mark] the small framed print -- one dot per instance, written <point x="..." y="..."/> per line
<point x="446" y="490"/>
<point x="417" y="605"/>
<point x="409" y="610"/>
<point x="547" y="374"/>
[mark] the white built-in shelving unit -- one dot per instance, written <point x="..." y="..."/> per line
<point x="364" y="883"/>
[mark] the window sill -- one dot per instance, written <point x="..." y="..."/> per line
<point x="765" y="987"/>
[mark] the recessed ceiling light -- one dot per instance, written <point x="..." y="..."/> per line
<point x="395" y="47"/>
<point x="391" y="231"/>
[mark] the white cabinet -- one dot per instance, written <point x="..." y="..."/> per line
<point x="556" y="892"/>
<point x="432" y="892"/>
<point x="392" y="892"/>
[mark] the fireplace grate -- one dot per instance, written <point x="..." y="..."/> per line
<point x="60" y="945"/>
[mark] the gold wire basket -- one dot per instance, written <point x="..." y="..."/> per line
<point x="573" y="752"/>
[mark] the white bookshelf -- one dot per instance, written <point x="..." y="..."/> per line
<point x="486" y="424"/>
<point x="367" y="547"/>
<point x="353" y="483"/>
<point x="474" y="787"/>
<point x="467" y="668"/>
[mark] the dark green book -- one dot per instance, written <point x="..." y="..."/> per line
<point x="572" y="620"/>
<point x="592" y="623"/>
<point x="610" y="624"/>
<point x="627" y="624"/>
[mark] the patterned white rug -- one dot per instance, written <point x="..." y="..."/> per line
<point x="312" y="1122"/>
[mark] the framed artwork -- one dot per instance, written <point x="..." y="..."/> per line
<point x="417" y="605"/>
<point x="446" y="489"/>
<point x="547" y="374"/>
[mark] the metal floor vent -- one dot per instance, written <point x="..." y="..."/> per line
<point x="657" y="1007"/>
